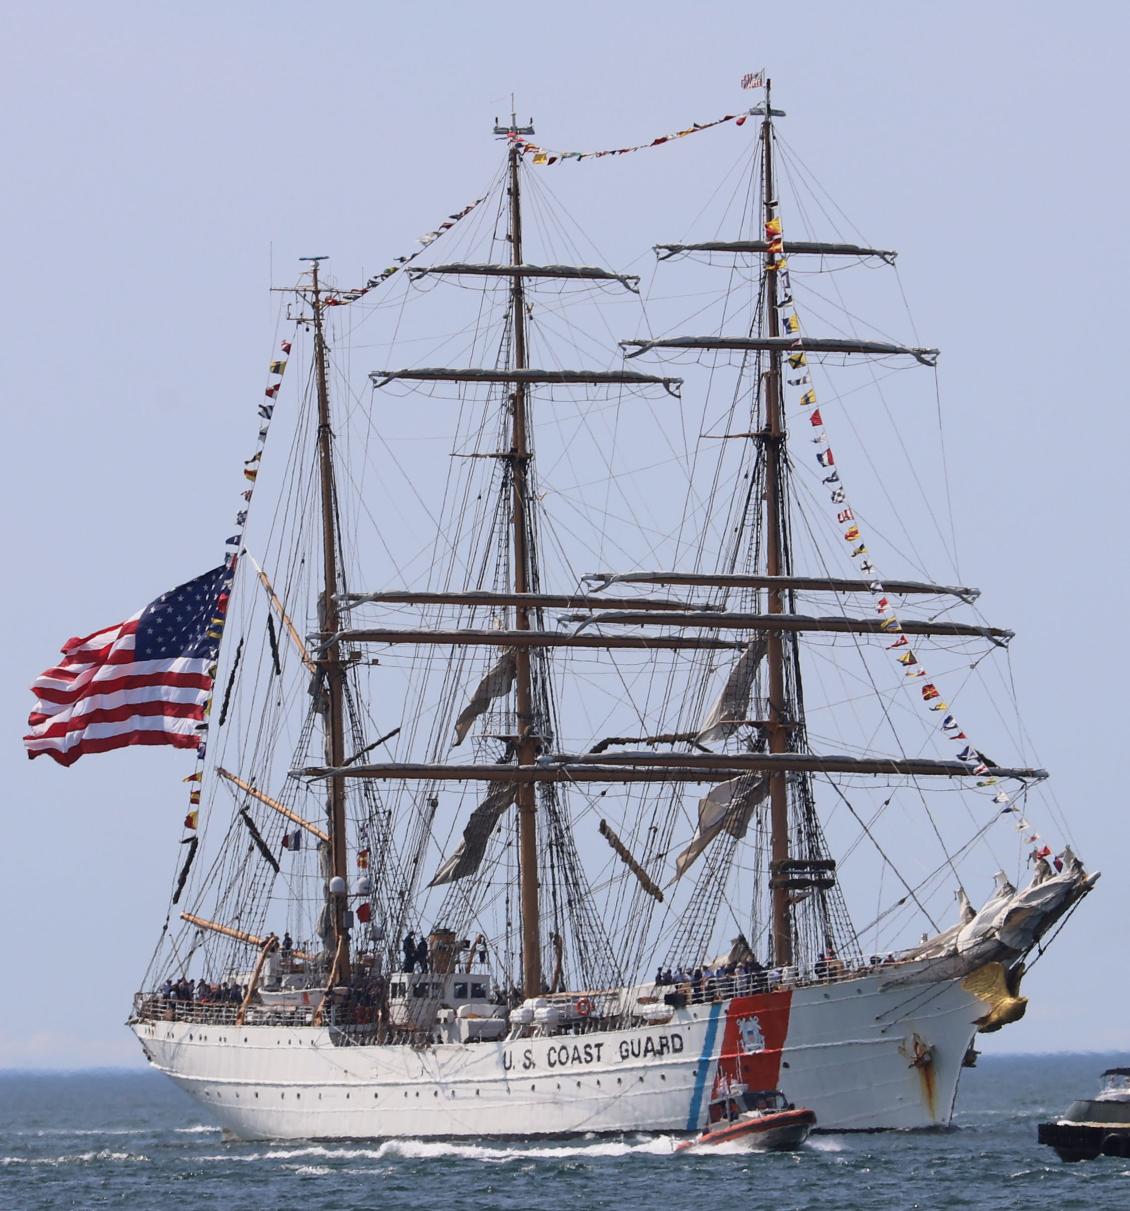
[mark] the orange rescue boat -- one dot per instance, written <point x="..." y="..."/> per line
<point x="762" y="1119"/>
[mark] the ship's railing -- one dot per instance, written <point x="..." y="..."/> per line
<point x="711" y="988"/>
<point x="157" y="1008"/>
<point x="358" y="1023"/>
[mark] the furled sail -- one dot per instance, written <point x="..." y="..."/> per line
<point x="469" y="853"/>
<point x="728" y="807"/>
<point x="732" y="705"/>
<point x="496" y="683"/>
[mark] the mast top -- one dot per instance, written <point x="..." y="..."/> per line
<point x="513" y="128"/>
<point x="766" y="109"/>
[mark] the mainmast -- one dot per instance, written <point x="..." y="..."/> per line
<point x="773" y="447"/>
<point x="527" y="740"/>
<point x="330" y="662"/>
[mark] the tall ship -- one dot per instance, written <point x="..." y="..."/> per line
<point x="550" y="705"/>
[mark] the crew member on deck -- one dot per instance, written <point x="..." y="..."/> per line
<point x="409" y="945"/>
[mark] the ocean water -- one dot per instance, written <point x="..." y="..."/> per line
<point x="132" y="1140"/>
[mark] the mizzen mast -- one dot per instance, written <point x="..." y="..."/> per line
<point x="330" y="662"/>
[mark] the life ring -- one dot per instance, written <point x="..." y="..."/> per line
<point x="583" y="1007"/>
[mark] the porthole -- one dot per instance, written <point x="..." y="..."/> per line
<point x="256" y="1092"/>
<point x="435" y="1093"/>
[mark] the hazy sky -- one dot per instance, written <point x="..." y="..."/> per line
<point x="159" y="158"/>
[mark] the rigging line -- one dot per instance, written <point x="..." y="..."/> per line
<point x="875" y="383"/>
<point x="746" y="182"/>
<point x="548" y="218"/>
<point x="628" y="472"/>
<point x="1057" y="813"/>
<point x="935" y="873"/>
<point x="585" y="508"/>
<point x="829" y="326"/>
<point x="855" y="642"/>
<point x="859" y="837"/>
<point x="945" y="459"/>
<point x="882" y="854"/>
<point x="964" y="798"/>
<point x="1042" y="946"/>
<point x="793" y="160"/>
<point x="951" y="551"/>
<point x="914" y="555"/>
<point x="739" y="168"/>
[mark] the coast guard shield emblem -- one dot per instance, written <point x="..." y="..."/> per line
<point x="749" y="1031"/>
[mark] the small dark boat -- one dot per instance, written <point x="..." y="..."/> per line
<point x="762" y="1119"/>
<point x="1092" y="1127"/>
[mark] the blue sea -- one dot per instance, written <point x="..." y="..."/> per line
<point x="132" y="1140"/>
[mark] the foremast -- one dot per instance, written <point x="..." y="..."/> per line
<point x="776" y="564"/>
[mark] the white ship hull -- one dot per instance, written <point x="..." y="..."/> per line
<point x="874" y="1052"/>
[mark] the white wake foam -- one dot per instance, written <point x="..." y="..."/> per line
<point x="76" y="1158"/>
<point x="660" y="1145"/>
<point x="826" y="1143"/>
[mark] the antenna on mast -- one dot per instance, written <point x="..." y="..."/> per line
<point x="765" y="109"/>
<point x="513" y="128"/>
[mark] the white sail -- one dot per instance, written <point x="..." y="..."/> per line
<point x="469" y="852"/>
<point x="496" y="683"/>
<point x="732" y="705"/>
<point x="729" y="807"/>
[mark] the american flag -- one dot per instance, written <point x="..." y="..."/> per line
<point x="142" y="681"/>
<point x="754" y="79"/>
